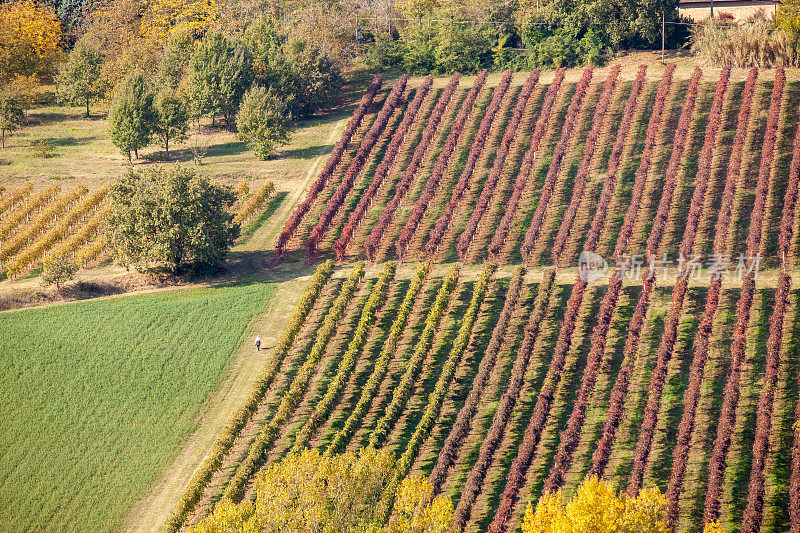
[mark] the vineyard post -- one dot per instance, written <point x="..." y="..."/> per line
<point x="663" y="33"/>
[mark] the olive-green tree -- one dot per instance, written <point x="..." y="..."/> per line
<point x="79" y="78"/>
<point x="219" y="74"/>
<point x="172" y="119"/>
<point x="57" y="271"/>
<point x="11" y="114"/>
<point x="133" y="115"/>
<point x="170" y="217"/>
<point x="264" y="121"/>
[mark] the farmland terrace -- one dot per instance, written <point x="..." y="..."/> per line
<point x="448" y="320"/>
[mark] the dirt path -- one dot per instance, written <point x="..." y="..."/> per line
<point x="150" y="513"/>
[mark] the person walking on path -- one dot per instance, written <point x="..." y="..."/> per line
<point x="258" y="343"/>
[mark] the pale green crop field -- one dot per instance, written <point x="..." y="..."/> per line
<point x="96" y="398"/>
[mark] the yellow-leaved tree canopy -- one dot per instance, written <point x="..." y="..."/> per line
<point x="191" y="17"/>
<point x="345" y="493"/>
<point x="30" y="40"/>
<point x="597" y="507"/>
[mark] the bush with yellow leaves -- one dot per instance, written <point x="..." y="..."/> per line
<point x="598" y="508"/>
<point x="338" y="494"/>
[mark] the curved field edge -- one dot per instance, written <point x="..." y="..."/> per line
<point x="132" y="383"/>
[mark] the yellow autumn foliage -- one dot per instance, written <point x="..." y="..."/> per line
<point x="338" y="494"/>
<point x="597" y="508"/>
<point x="30" y="36"/>
<point x="191" y="17"/>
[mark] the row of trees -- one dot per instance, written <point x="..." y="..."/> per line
<point x="345" y="493"/>
<point x="463" y="422"/>
<point x="589" y="149"/>
<point x="718" y="459"/>
<point x="498" y="165"/>
<point x="528" y="161"/>
<point x="300" y="382"/>
<point x="356" y="164"/>
<point x="654" y="127"/>
<point x="213" y="461"/>
<point x="570" y="437"/>
<point x="402" y="392"/>
<point x="494" y="436"/>
<point x="398" y="138"/>
<point x="532" y="234"/>
<point x="377" y="298"/>
<point x="475" y="151"/>
<point x="702" y="339"/>
<point x="330" y="164"/>
<point x="440" y="167"/>
<point x="669" y="336"/>
<point x="431" y="127"/>
<point x="477" y="148"/>
<point x="619" y="391"/>
<point x="610" y="182"/>
<point x="381" y="367"/>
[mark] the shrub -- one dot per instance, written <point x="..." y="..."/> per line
<point x="753" y="43"/>
<point x="263" y="121"/>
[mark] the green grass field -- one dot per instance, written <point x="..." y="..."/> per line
<point x="96" y="398"/>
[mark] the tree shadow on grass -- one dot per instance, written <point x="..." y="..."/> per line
<point x="66" y="142"/>
<point x="228" y="148"/>
<point x="309" y="152"/>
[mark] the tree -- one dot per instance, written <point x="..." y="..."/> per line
<point x="79" y="77"/>
<point x="172" y="119"/>
<point x="175" y="60"/>
<point x="306" y="79"/>
<point x="263" y="121"/>
<point x="219" y="70"/>
<point x="193" y="17"/>
<point x="342" y="494"/>
<point x="417" y="510"/>
<point x="11" y="114"/>
<point x="570" y="32"/>
<point x="132" y="115"/>
<point x="170" y="217"/>
<point x="30" y="38"/>
<point x="57" y="271"/>
<point x="597" y="507"/>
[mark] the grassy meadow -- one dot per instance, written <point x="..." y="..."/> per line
<point x="96" y="398"/>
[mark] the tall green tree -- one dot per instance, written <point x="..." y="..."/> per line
<point x="264" y="121"/>
<point x="170" y="217"/>
<point x="219" y="71"/>
<point x="11" y="114"/>
<point x="172" y="118"/>
<point x="133" y="115"/>
<point x="79" y="77"/>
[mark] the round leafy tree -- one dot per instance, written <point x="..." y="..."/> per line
<point x="172" y="218"/>
<point x="263" y="121"/>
